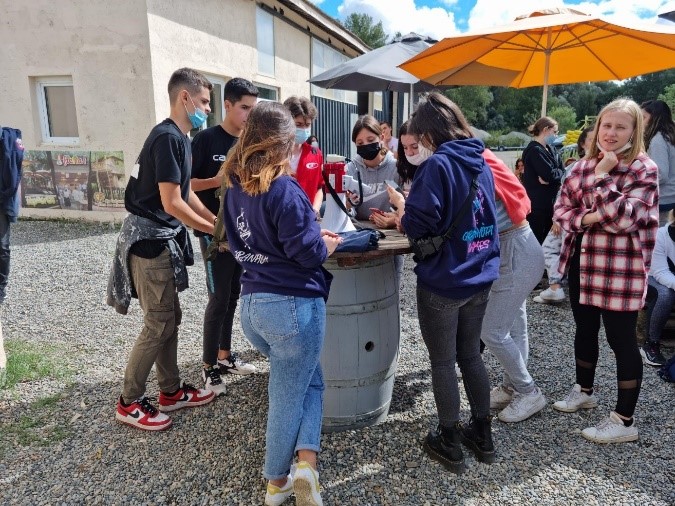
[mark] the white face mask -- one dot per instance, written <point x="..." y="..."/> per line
<point x="423" y="154"/>
<point x="415" y="159"/>
<point x="623" y="148"/>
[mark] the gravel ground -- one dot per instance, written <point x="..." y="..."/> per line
<point x="78" y="454"/>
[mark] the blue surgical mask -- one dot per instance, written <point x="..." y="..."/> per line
<point x="302" y="134"/>
<point x="198" y="117"/>
<point x="550" y="139"/>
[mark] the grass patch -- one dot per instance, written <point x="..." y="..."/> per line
<point x="28" y="362"/>
<point x="40" y="427"/>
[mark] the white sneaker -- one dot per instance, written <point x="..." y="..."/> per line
<point x="212" y="381"/>
<point x="306" y="485"/>
<point x="234" y="365"/>
<point x="611" y="430"/>
<point x="575" y="400"/>
<point x="523" y="406"/>
<point x="500" y="397"/>
<point x="550" y="295"/>
<point x="276" y="496"/>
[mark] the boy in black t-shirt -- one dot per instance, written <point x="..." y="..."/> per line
<point x="209" y="151"/>
<point x="155" y="241"/>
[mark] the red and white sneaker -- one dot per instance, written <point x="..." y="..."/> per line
<point x="186" y="397"/>
<point x="142" y="414"/>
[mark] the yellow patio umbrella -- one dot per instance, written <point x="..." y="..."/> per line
<point x="549" y="46"/>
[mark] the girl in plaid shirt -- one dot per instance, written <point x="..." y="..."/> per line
<point x="609" y="208"/>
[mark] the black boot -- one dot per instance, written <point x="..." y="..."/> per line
<point x="477" y="436"/>
<point x="443" y="445"/>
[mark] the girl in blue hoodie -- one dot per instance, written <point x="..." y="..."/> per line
<point x="453" y="285"/>
<point x="273" y="233"/>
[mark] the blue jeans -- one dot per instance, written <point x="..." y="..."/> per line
<point x="660" y="300"/>
<point x="4" y="254"/>
<point x="289" y="331"/>
<point x="451" y="331"/>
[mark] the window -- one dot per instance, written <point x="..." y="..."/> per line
<point x="325" y="57"/>
<point x="56" y="109"/>
<point x="267" y="93"/>
<point x="264" y="22"/>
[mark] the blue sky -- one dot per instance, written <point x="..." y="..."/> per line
<point x="441" y="18"/>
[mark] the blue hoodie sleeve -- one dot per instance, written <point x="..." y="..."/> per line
<point x="424" y="208"/>
<point x="296" y="225"/>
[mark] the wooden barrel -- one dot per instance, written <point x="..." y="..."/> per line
<point x="360" y="351"/>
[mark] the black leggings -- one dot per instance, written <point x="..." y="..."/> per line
<point x="540" y="221"/>
<point x="620" y="328"/>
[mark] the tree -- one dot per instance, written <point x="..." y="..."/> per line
<point x="668" y="96"/>
<point x="473" y="101"/>
<point x="565" y="116"/>
<point x="363" y="27"/>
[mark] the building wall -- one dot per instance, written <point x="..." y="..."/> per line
<point x="120" y="56"/>
<point x="109" y="65"/>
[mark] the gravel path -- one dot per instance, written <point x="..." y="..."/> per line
<point x="78" y="454"/>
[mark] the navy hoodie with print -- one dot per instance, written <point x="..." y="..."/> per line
<point x="469" y="262"/>
<point x="277" y="240"/>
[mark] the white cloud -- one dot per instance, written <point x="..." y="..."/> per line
<point x="488" y="13"/>
<point x="404" y="16"/>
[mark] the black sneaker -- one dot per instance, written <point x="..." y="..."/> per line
<point x="651" y="353"/>
<point x="443" y="445"/>
<point x="212" y="380"/>
<point x="234" y="365"/>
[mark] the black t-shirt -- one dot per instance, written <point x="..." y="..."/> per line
<point x="166" y="157"/>
<point x="209" y="151"/>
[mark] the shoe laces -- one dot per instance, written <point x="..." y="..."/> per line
<point x="233" y="359"/>
<point x="213" y="374"/>
<point x="187" y="388"/>
<point x="146" y="406"/>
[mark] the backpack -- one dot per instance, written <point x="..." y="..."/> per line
<point x="667" y="372"/>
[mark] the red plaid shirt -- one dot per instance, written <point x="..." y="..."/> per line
<point x="615" y="252"/>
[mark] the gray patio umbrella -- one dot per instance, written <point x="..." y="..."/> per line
<point x="378" y="69"/>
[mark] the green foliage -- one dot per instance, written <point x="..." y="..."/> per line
<point x="27" y="362"/>
<point x="565" y="116"/>
<point x="473" y="101"/>
<point x="363" y="26"/>
<point x="668" y="96"/>
<point x="648" y="86"/>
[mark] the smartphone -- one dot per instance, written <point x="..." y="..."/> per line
<point x="376" y="210"/>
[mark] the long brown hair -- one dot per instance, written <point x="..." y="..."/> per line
<point x="660" y="120"/>
<point x="264" y="149"/>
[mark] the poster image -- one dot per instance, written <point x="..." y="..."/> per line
<point x="73" y="180"/>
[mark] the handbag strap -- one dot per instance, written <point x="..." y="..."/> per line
<point x="339" y="202"/>
<point x="463" y="210"/>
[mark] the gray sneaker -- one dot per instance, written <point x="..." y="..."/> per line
<point x="523" y="406"/>
<point x="611" y="430"/>
<point x="575" y="400"/>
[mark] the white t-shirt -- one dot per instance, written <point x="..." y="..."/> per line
<point x="393" y="144"/>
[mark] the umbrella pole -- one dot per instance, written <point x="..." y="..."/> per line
<point x="547" y="62"/>
<point x="410" y="100"/>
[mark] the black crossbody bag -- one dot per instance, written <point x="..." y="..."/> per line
<point x="425" y="247"/>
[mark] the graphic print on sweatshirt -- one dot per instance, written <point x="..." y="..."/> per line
<point x="480" y="236"/>
<point x="244" y="232"/>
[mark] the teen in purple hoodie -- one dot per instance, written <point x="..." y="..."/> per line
<point x="453" y="285"/>
<point x="273" y="233"/>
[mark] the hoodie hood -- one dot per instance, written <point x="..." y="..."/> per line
<point x="467" y="152"/>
